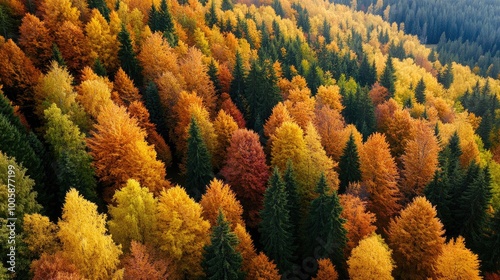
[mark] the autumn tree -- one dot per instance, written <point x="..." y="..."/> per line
<point x="120" y="152"/>
<point x="229" y="107"/>
<point x="199" y="163"/>
<point x="156" y="56"/>
<point x="379" y="176"/>
<point x="420" y="161"/>
<point x="144" y="263"/>
<point x="55" y="266"/>
<point x="263" y="268"/>
<point x="220" y="259"/>
<point x="73" y="45"/>
<point x="359" y="221"/>
<point x="35" y="39"/>
<point x="326" y="270"/>
<point x="415" y="236"/>
<point x="219" y="196"/>
<point x="93" y="95"/>
<point x="101" y="39"/>
<point x="125" y="87"/>
<point x="371" y="259"/>
<point x="247" y="250"/>
<point x="330" y="125"/>
<point x="40" y="234"/>
<point x="83" y="235"/>
<point x="457" y="262"/>
<point x="55" y="12"/>
<point x="246" y="172"/>
<point x="133" y="215"/>
<point x="278" y="116"/>
<point x="224" y="126"/>
<point x="275" y="228"/>
<point x="182" y="232"/>
<point x="349" y="166"/>
<point x="330" y="96"/>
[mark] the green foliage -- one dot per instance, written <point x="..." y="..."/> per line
<point x="446" y="76"/>
<point x="349" y="166"/>
<point x="155" y="108"/>
<point x="275" y="228"/>
<point x="227" y="5"/>
<point x="212" y="73"/>
<point x="221" y="261"/>
<point x="99" y="68"/>
<point x="367" y="74"/>
<point x="199" y="166"/>
<point x="388" y="77"/>
<point x="101" y="6"/>
<point x="128" y="60"/>
<point x="420" y="92"/>
<point x="57" y="56"/>
<point x="211" y="15"/>
<point x="293" y="199"/>
<point x="359" y="109"/>
<point x="238" y="84"/>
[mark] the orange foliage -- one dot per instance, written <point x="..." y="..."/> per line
<point x="230" y="108"/>
<point x="143" y="264"/>
<point x="246" y="248"/>
<point x="35" y="40"/>
<point x="457" y="262"/>
<point x="225" y="78"/>
<point x="378" y="94"/>
<point x="219" y="196"/>
<point x="326" y="270"/>
<point x="125" y="87"/>
<point x="263" y="269"/>
<point x="301" y="105"/>
<point x="156" y="57"/>
<point x="73" y="45"/>
<point x="54" y="267"/>
<point x="330" y="96"/>
<point x="55" y="12"/>
<point x="224" y="126"/>
<point x="330" y="125"/>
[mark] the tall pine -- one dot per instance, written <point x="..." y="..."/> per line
<point x="156" y="111"/>
<point x="275" y="227"/>
<point x="388" y="77"/>
<point x="128" y="59"/>
<point x="221" y="261"/>
<point x="199" y="165"/>
<point x="420" y="91"/>
<point x="238" y="86"/>
<point x="349" y="165"/>
<point x="293" y="198"/>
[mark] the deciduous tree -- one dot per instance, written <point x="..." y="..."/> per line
<point x="219" y="196"/>
<point x="263" y="268"/>
<point x="143" y="263"/>
<point x="457" y="262"/>
<point x="35" y="40"/>
<point x="359" y="221"/>
<point x="326" y="270"/>
<point x="371" y="259"/>
<point x="224" y="126"/>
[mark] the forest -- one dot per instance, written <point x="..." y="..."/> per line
<point x="248" y="139"/>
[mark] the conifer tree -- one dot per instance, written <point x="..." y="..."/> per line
<point x="446" y="77"/>
<point x="388" y="78"/>
<point x="227" y="5"/>
<point x="153" y="18"/>
<point x="211" y="16"/>
<point x="326" y="236"/>
<point x="221" y="261"/>
<point x="293" y="199"/>
<point x="238" y="85"/>
<point x="199" y="164"/>
<point x="349" y="166"/>
<point x="99" y="68"/>
<point x="166" y="24"/>
<point x="490" y="253"/>
<point x="214" y="77"/>
<point x="366" y="76"/>
<point x="57" y="56"/>
<point x="156" y="110"/>
<point x="127" y="57"/>
<point x="101" y="6"/>
<point x="420" y="91"/>
<point x="275" y="227"/>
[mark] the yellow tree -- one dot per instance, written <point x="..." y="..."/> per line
<point x="278" y="117"/>
<point x="457" y="262"/>
<point x="156" y="57"/>
<point x="40" y="234"/>
<point x="301" y="105"/>
<point x="220" y="196"/>
<point x="416" y="238"/>
<point x="120" y="153"/>
<point x="125" y="87"/>
<point x="84" y="238"/>
<point x="224" y="126"/>
<point x="330" y="96"/>
<point x="379" y="175"/>
<point x="133" y="215"/>
<point x="326" y="270"/>
<point x="94" y="95"/>
<point x="246" y="248"/>
<point x="103" y="43"/>
<point x="182" y="231"/>
<point x="330" y="125"/>
<point x="371" y="259"/>
<point x="55" y="12"/>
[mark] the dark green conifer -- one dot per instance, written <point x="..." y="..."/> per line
<point x="221" y="261"/>
<point x="227" y="5"/>
<point x="211" y="15"/>
<point x="388" y="77"/>
<point x="101" y="6"/>
<point x="99" y="68"/>
<point x="420" y="91"/>
<point x="128" y="59"/>
<point x="238" y="86"/>
<point x="153" y="103"/>
<point x="213" y="74"/>
<point x="293" y="199"/>
<point x="349" y="166"/>
<point x="57" y="56"/>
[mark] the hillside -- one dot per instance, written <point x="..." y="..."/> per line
<point x="155" y="139"/>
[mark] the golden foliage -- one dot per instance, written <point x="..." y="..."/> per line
<point x="457" y="262"/>
<point x="219" y="196"/>
<point x="371" y="259"/>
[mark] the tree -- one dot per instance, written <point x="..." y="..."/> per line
<point x="55" y="12"/>
<point x="330" y="125"/>
<point x="40" y="234"/>
<point x="227" y="5"/>
<point x="156" y="56"/>
<point x="247" y="250"/>
<point x="246" y="172"/>
<point x="388" y="77"/>
<point x="199" y="163"/>
<point x="330" y="96"/>
<point x="220" y="259"/>
<point x="35" y="40"/>
<point x="457" y="262"/>
<point x="326" y="270"/>
<point x="263" y="268"/>
<point x="490" y="255"/>
<point x="367" y="75"/>
<point x="238" y="84"/>
<point x="156" y="111"/>
<point x="293" y="200"/>
<point x="125" y="87"/>
<point x="55" y="266"/>
<point x="101" y="40"/>
<point x="379" y="176"/>
<point x="371" y="259"/>
<point x="349" y="166"/>
<point x="182" y="232"/>
<point x="359" y="221"/>
<point x="220" y="197"/>
<point x="73" y="44"/>
<point x="83" y="235"/>
<point x="133" y="215"/>
<point x="93" y="96"/>
<point x="228" y="106"/>
<point x="120" y="153"/>
<point x="275" y="228"/>
<point x="446" y="76"/>
<point x="416" y="238"/>
<point x="127" y="57"/>
<point x="224" y="126"/>
<point x="143" y="263"/>
<point x="326" y="236"/>
<point x="420" y="91"/>
<point x="101" y="6"/>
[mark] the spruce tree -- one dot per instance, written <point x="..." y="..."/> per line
<point x="221" y="261"/>
<point x="366" y="76"/>
<point x="326" y="236"/>
<point x="211" y="15"/>
<point x="238" y="86"/>
<point x="57" y="56"/>
<point x="490" y="252"/>
<point x="446" y="77"/>
<point x="128" y="59"/>
<point x="199" y="164"/>
<point x="156" y="111"/>
<point x="154" y="21"/>
<point x="420" y="91"/>
<point x="99" y="68"/>
<point x="101" y="6"/>
<point x="212" y="73"/>
<point x="349" y="166"/>
<point x="388" y="78"/>
<point x="293" y="198"/>
<point x="275" y="228"/>
<point x="227" y="5"/>
<point x="166" y="24"/>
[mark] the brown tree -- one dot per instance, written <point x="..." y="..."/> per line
<point x="326" y="271"/>
<point x="143" y="263"/>
<point x="35" y="40"/>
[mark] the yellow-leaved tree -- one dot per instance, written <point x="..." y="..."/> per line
<point x="224" y="126"/>
<point x="84" y="238"/>
<point x="182" y="232"/>
<point x="371" y="259"/>
<point x="133" y="215"/>
<point x="457" y="262"/>
<point x="220" y="196"/>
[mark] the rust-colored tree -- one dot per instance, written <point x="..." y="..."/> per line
<point x="35" y="40"/>
<point x="125" y="87"/>
<point x="326" y="270"/>
<point x="330" y="125"/>
<point x="263" y="268"/>
<point x="73" y="46"/>
<point x="379" y="175"/>
<point x="247" y="173"/>
<point x="246" y="248"/>
<point x="54" y="266"/>
<point x="228" y="106"/>
<point x="416" y="237"/>
<point x="143" y="263"/>
<point x="220" y="196"/>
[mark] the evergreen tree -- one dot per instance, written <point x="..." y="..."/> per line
<point x="326" y="236"/>
<point x="366" y="75"/>
<point x="420" y="91"/>
<point x="128" y="59"/>
<point x="238" y="85"/>
<point x="211" y="15"/>
<point x="199" y="164"/>
<point x="166" y="24"/>
<point x="227" y="5"/>
<point x="349" y="165"/>
<point x="293" y="199"/>
<point x="275" y="227"/>
<point x="57" y="56"/>
<point x="220" y="259"/>
<point x="446" y="77"/>
<point x="490" y="252"/>
<point x="156" y="111"/>
<point x="313" y="78"/>
<point x="278" y="8"/>
<point x="153" y="19"/>
<point x="212" y="73"/>
<point x="101" y="6"/>
<point x="99" y="68"/>
<point x="388" y="77"/>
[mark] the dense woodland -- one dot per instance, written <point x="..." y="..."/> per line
<point x="464" y="31"/>
<point x="155" y="139"/>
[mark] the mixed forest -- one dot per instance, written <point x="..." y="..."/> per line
<point x="248" y="139"/>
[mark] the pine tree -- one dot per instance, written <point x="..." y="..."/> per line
<point x="275" y="227"/>
<point x="293" y="199"/>
<point x="220" y="259"/>
<point x="349" y="166"/>
<point x="166" y="24"/>
<point x="238" y="85"/>
<point x="446" y="77"/>
<point x="128" y="59"/>
<point x="211" y="16"/>
<point x="199" y="164"/>
<point x="57" y="56"/>
<point x="101" y="6"/>
<point x="153" y="20"/>
<point x="366" y="76"/>
<point x="420" y="91"/>
<point x="227" y="5"/>
<point x="388" y="78"/>
<point x="490" y="253"/>
<point x="326" y="236"/>
<point x="99" y="68"/>
<point x="214" y="77"/>
<point x="156" y="111"/>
